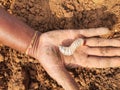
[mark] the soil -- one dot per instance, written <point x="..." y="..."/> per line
<point x="21" y="72"/>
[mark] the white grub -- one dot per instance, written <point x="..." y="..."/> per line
<point x="70" y="50"/>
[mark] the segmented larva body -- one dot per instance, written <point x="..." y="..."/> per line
<point x="70" y="50"/>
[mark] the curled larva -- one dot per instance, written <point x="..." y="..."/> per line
<point x="70" y="50"/>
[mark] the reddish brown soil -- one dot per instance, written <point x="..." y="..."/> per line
<point x="21" y="72"/>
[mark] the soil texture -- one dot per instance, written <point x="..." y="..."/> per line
<point x="21" y="72"/>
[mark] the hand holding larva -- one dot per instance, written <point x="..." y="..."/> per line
<point x="71" y="49"/>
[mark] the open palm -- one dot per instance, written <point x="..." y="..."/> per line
<point x="88" y="55"/>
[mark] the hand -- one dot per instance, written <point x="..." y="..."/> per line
<point x="89" y="55"/>
<point x="45" y="48"/>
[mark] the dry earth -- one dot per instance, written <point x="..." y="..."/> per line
<point x="21" y="72"/>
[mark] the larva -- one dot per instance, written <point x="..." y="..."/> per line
<point x="70" y="50"/>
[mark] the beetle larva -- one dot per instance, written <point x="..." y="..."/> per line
<point x="70" y="50"/>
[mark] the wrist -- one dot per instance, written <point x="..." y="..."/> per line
<point x="13" y="32"/>
<point x="33" y="45"/>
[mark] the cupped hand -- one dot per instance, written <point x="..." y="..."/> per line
<point x="97" y="52"/>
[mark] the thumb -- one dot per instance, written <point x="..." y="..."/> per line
<point x="61" y="75"/>
<point x="55" y="68"/>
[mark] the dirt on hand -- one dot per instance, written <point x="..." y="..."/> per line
<point x="21" y="72"/>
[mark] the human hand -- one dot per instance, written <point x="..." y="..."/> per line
<point x="93" y="54"/>
<point x="45" y="48"/>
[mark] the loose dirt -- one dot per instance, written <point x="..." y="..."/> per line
<point x="21" y="72"/>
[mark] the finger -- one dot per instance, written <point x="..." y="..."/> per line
<point x="102" y="62"/>
<point x="102" y="42"/>
<point x="106" y="51"/>
<point x="93" y="32"/>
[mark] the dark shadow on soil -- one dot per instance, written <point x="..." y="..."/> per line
<point x="43" y="20"/>
<point x="85" y="19"/>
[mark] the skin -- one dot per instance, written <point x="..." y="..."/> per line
<point x="94" y="53"/>
<point x="56" y="62"/>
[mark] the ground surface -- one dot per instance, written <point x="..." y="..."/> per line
<point x="20" y="72"/>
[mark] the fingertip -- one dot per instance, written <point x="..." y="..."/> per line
<point x="102" y="30"/>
